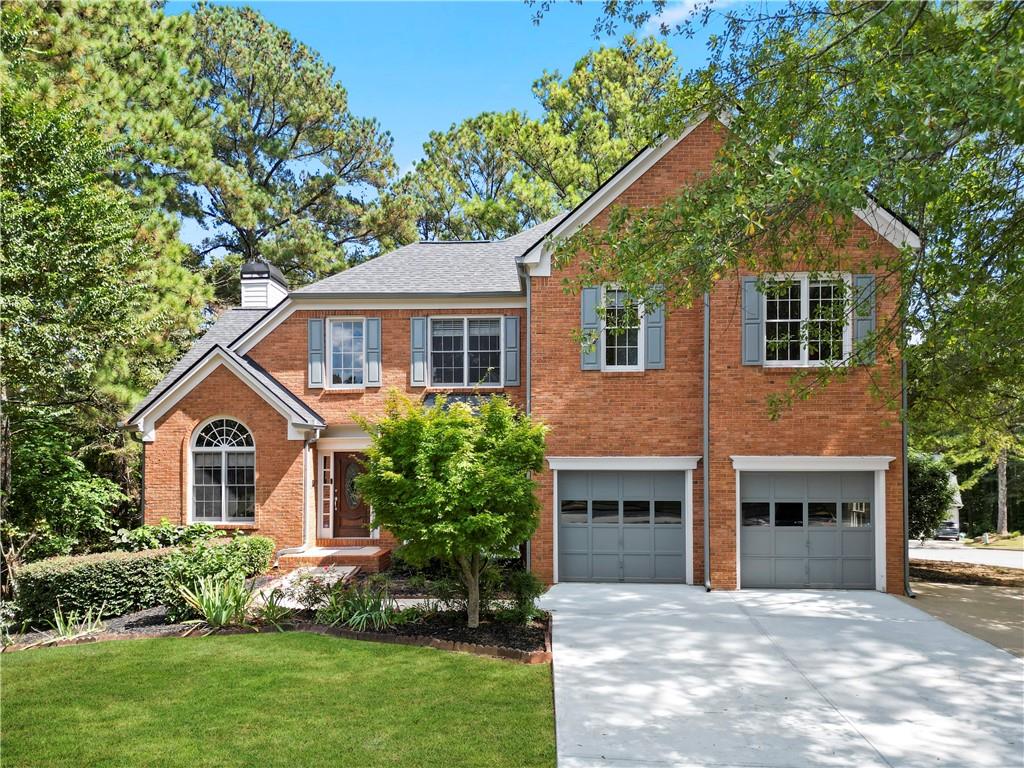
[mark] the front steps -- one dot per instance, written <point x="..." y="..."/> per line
<point x="369" y="559"/>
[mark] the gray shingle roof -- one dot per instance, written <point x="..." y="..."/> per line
<point x="459" y="268"/>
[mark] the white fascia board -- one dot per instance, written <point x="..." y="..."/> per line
<point x="811" y="463"/>
<point x="888" y="226"/>
<point x="624" y="463"/>
<point x="146" y="422"/>
<point x="353" y="443"/>
<point x="262" y="328"/>
<point x="537" y="259"/>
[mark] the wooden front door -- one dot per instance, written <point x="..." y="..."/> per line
<point x="352" y="516"/>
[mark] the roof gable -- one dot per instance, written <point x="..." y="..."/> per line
<point x="537" y="258"/>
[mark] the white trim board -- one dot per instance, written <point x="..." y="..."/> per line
<point x="266" y="324"/>
<point x="624" y="463"/>
<point x="217" y="356"/>
<point x="811" y="463"/>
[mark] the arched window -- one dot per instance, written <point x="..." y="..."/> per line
<point x="223" y="473"/>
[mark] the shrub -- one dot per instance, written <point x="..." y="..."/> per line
<point x="312" y="590"/>
<point x="219" y="602"/>
<point x="163" y="535"/>
<point x="112" y="582"/>
<point x="273" y="613"/>
<point x="71" y="626"/>
<point x="241" y="557"/>
<point x="525" y="588"/>
<point x="359" y="607"/>
<point x="930" y="495"/>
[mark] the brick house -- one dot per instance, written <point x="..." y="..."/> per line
<point x="658" y="426"/>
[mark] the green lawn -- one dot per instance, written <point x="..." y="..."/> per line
<point x="1016" y="542"/>
<point x="271" y="699"/>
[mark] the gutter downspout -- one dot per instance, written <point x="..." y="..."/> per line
<point x="906" y="492"/>
<point x="305" y="503"/>
<point x="707" y="439"/>
<point x="529" y="382"/>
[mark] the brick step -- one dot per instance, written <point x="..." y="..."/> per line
<point x="368" y="559"/>
<point x="348" y="541"/>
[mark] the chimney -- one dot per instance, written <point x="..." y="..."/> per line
<point x="263" y="286"/>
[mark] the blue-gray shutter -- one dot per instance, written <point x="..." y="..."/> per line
<point x="511" y="351"/>
<point x="418" y="340"/>
<point x="753" y="323"/>
<point x="373" y="351"/>
<point x="315" y="352"/>
<point x="863" y="317"/>
<point x="590" y="325"/>
<point x="654" y="337"/>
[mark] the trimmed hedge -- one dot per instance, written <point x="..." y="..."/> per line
<point x="117" y="582"/>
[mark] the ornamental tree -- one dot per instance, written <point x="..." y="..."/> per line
<point x="453" y="481"/>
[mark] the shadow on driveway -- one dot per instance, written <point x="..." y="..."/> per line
<point x="671" y="675"/>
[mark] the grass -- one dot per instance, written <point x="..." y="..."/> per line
<point x="1016" y="542"/>
<point x="291" y="699"/>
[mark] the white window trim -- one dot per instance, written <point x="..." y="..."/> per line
<point x="190" y="498"/>
<point x="641" y="337"/>
<point x="329" y="353"/>
<point x="804" y="278"/>
<point x="431" y="384"/>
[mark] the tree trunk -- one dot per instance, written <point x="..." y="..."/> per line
<point x="5" y="453"/>
<point x="470" y="569"/>
<point x="1002" y="527"/>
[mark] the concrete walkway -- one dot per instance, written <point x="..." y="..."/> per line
<point x="667" y="675"/>
<point x="955" y="552"/>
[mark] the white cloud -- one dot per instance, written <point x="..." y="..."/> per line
<point x="674" y="13"/>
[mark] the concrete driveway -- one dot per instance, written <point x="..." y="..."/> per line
<point x="668" y="675"/>
<point x="955" y="552"/>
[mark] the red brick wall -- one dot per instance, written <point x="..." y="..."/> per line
<point x="278" y="459"/>
<point x="659" y="412"/>
<point x="283" y="353"/>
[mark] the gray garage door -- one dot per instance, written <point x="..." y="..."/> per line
<point x="621" y="526"/>
<point x="812" y="529"/>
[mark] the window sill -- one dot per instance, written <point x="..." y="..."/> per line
<point x="438" y="388"/>
<point x="233" y="526"/>
<point x="624" y="371"/>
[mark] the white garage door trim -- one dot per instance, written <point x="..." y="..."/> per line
<point x="626" y="464"/>
<point x="877" y="464"/>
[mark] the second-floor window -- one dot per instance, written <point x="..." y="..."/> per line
<point x="465" y="351"/>
<point x="623" y="332"/>
<point x="806" y="322"/>
<point x="347" y="357"/>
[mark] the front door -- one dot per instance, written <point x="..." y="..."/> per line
<point x="352" y="516"/>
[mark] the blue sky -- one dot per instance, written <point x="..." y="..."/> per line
<point x="421" y="66"/>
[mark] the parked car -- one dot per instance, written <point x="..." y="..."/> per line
<point x="948" y="530"/>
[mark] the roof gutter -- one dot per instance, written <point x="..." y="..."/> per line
<point x="707" y="440"/>
<point x="906" y="491"/>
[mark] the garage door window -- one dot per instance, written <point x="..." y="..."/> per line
<point x="756" y="513"/>
<point x="668" y="512"/>
<point x="574" y="512"/>
<point x="789" y="514"/>
<point x="821" y="514"/>
<point x="856" y="514"/>
<point x="636" y="512"/>
<point x="605" y="511"/>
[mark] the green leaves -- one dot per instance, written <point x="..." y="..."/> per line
<point x="496" y="174"/>
<point x="452" y="482"/>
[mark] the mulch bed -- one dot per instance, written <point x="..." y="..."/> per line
<point x="446" y="630"/>
<point x="966" y="573"/>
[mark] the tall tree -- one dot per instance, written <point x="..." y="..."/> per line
<point x="300" y="179"/>
<point x="498" y="173"/>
